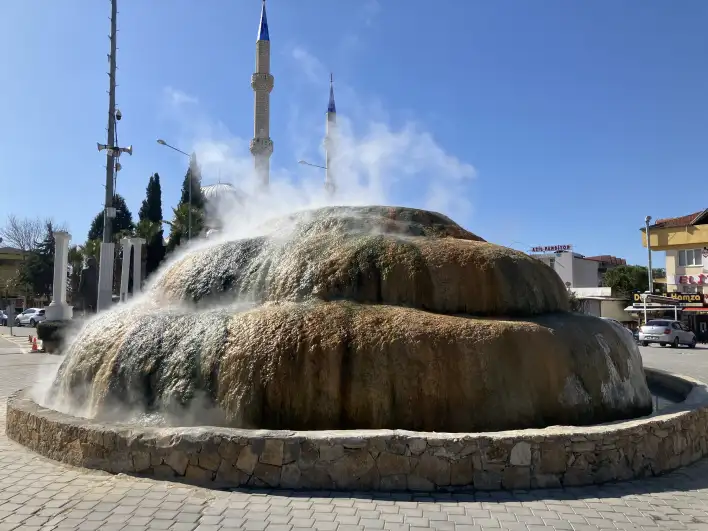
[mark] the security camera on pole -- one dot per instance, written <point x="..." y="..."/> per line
<point x="113" y="152"/>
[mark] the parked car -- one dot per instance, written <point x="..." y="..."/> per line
<point x="666" y="332"/>
<point x="616" y="322"/>
<point x="3" y="318"/>
<point x="31" y="316"/>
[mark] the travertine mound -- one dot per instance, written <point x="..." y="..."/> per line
<point x="341" y="318"/>
<point x="342" y="365"/>
<point x="370" y="259"/>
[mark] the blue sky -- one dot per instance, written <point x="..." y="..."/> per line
<point x="529" y="122"/>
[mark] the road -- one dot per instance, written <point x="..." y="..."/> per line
<point x="17" y="331"/>
<point x="36" y="493"/>
<point x="692" y="362"/>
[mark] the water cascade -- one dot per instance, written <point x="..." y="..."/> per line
<point x="353" y="317"/>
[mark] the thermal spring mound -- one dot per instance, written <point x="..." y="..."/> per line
<point x="354" y="318"/>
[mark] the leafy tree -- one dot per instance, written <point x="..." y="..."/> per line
<point x="625" y="279"/>
<point x="37" y="271"/>
<point x="122" y="223"/>
<point x="150" y="225"/>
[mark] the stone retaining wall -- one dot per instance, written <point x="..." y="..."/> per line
<point x="375" y="460"/>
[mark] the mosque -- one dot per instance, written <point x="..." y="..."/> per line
<point x="222" y="197"/>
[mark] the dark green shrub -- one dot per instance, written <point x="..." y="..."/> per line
<point x="52" y="334"/>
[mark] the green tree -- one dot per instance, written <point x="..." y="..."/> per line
<point x="179" y="226"/>
<point x="150" y="225"/>
<point x="625" y="279"/>
<point x="658" y="272"/>
<point x="193" y="175"/>
<point x="122" y="223"/>
<point x="37" y="271"/>
<point x="76" y="262"/>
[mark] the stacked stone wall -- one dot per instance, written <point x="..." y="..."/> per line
<point x="377" y="459"/>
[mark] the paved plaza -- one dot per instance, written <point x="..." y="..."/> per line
<point x="36" y="493"/>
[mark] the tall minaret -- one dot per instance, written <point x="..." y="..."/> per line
<point x="262" y="83"/>
<point x="330" y="140"/>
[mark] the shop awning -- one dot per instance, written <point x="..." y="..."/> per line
<point x="651" y="308"/>
<point x="696" y="309"/>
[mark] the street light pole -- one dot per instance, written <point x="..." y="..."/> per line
<point x="189" y="183"/>
<point x="313" y="165"/>
<point x="651" y="280"/>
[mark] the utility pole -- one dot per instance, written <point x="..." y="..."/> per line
<point x="105" y="272"/>
<point x="647" y="220"/>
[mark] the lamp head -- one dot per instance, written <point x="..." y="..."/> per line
<point x="647" y="220"/>
<point x="161" y="142"/>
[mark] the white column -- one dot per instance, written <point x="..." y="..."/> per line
<point x="125" y="268"/>
<point x="105" y="277"/>
<point x="58" y="309"/>
<point x="137" y="264"/>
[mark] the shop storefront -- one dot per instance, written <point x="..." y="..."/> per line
<point x="689" y="308"/>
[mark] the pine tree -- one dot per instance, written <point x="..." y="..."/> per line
<point x="122" y="223"/>
<point x="38" y="270"/>
<point x="150" y="225"/>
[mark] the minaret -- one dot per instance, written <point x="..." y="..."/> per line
<point x="330" y="140"/>
<point x="262" y="83"/>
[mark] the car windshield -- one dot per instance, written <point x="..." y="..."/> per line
<point x="658" y="323"/>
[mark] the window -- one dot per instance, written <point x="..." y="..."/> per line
<point x="690" y="257"/>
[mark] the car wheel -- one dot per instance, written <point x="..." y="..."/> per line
<point x="692" y="344"/>
<point x="33" y="323"/>
<point x="645" y="343"/>
<point x="675" y="343"/>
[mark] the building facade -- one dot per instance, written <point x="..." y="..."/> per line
<point x="10" y="263"/>
<point x="684" y="239"/>
<point x="574" y="269"/>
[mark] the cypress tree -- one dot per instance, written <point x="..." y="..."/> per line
<point x="180" y="225"/>
<point x="150" y="225"/>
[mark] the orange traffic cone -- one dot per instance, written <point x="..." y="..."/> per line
<point x="34" y="345"/>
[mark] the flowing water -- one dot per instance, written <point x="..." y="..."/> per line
<point x="344" y="317"/>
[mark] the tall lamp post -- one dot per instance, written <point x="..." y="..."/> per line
<point x="647" y="220"/>
<point x="163" y="143"/>
<point x="309" y="164"/>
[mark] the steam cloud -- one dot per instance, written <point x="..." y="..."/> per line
<point x="374" y="162"/>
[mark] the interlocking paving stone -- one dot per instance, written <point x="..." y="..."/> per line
<point x="36" y="493"/>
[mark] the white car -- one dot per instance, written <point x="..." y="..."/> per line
<point x="31" y="316"/>
<point x="666" y="332"/>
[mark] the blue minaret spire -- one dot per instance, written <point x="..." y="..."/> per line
<point x="331" y="107"/>
<point x="331" y="141"/>
<point x="261" y="145"/>
<point x="263" y="28"/>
